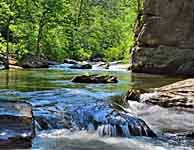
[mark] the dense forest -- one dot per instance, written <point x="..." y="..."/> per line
<point x="58" y="29"/>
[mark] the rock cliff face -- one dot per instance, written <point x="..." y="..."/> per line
<point x="165" y="43"/>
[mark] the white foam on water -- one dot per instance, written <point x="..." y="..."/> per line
<point x="163" y="119"/>
<point x="82" y="140"/>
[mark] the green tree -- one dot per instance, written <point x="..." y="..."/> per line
<point x="7" y="17"/>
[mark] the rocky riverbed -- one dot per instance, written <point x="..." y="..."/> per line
<point x="76" y="115"/>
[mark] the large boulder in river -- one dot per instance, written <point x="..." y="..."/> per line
<point x="95" y="79"/>
<point x="165" y="38"/>
<point x="16" y="125"/>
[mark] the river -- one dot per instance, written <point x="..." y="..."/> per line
<point x="51" y="93"/>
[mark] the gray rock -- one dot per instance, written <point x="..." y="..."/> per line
<point x="163" y="59"/>
<point x="81" y="66"/>
<point x="16" y="125"/>
<point x="165" y="43"/>
<point x="71" y="61"/>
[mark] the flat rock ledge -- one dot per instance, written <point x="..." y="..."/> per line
<point x="16" y="125"/>
<point x="179" y="95"/>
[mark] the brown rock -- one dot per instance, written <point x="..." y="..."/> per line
<point x="95" y="79"/>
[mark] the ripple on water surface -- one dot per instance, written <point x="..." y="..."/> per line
<point x="43" y="87"/>
<point x="66" y="140"/>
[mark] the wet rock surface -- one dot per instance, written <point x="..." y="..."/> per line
<point x="90" y="114"/>
<point x="16" y="125"/>
<point x="95" y="79"/>
<point x="165" y="39"/>
<point x="98" y="118"/>
<point x="109" y="122"/>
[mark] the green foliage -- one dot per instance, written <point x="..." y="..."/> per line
<point x="78" y="29"/>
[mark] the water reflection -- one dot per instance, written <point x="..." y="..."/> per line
<point x="52" y="88"/>
<point x="45" y="79"/>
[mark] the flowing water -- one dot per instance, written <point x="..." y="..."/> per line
<point x="54" y="97"/>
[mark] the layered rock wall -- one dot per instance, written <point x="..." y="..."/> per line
<point x="165" y="43"/>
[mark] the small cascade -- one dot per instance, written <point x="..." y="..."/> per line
<point x="132" y="127"/>
<point x="98" y="118"/>
<point x="108" y="122"/>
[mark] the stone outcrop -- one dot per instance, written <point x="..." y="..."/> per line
<point x="178" y="95"/>
<point x="165" y="43"/>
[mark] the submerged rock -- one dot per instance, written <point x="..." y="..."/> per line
<point x="95" y="79"/>
<point x="190" y="135"/>
<point x="16" y="125"/>
<point x="52" y="121"/>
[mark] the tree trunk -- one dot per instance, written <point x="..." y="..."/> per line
<point x="75" y="29"/>
<point x="80" y="13"/>
<point x="39" y="37"/>
<point x="38" y="42"/>
<point x="6" y="63"/>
